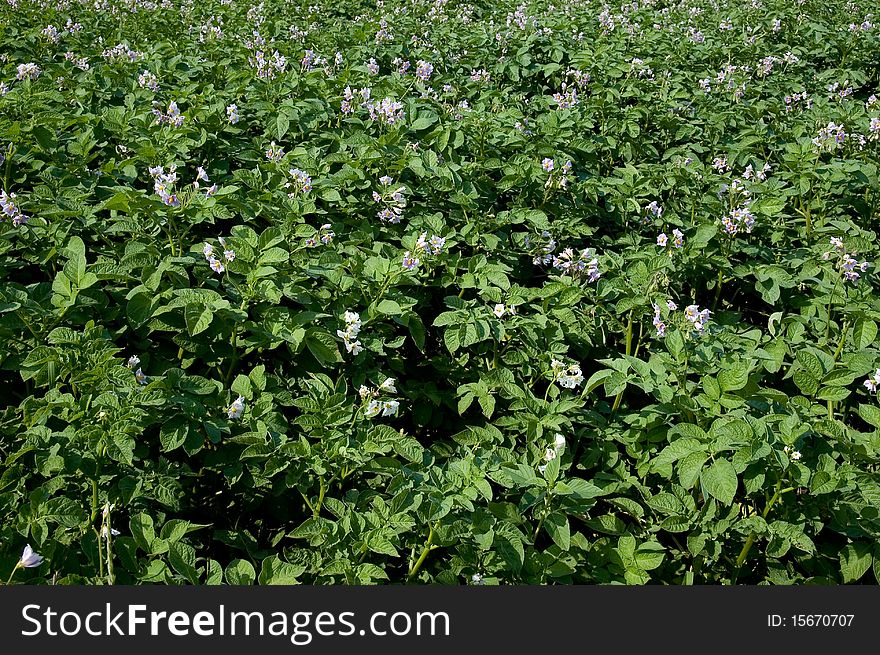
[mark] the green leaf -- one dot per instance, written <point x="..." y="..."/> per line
<point x="423" y="122"/>
<point x="276" y="571"/>
<point x="720" y="480"/>
<point x="240" y="572"/>
<point x="870" y="414"/>
<point x="142" y="529"/>
<point x="855" y="560"/>
<point x="690" y="467"/>
<point x="322" y="345"/>
<point x="806" y="382"/>
<point x="810" y="364"/>
<point x="282" y="124"/>
<point x="676" y="450"/>
<point x="557" y="527"/>
<point x="173" y="433"/>
<point x="734" y="378"/>
<point x="182" y="558"/>
<point x="864" y="333"/>
<point x="198" y="318"/>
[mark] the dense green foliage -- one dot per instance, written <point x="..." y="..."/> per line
<point x="610" y="317"/>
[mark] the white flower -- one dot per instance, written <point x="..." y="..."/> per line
<point x="390" y="407"/>
<point x="140" y="376"/>
<point x="388" y="385"/>
<point x="552" y="453"/>
<point x="236" y="409"/>
<point x="29" y="559"/>
<point x="373" y="409"/>
<point x="364" y="391"/>
<point x="499" y="310"/>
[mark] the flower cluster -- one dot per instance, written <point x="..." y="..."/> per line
<point x="557" y="179"/>
<point x="874" y="129"/>
<point x="147" y="80"/>
<point x="830" y="137"/>
<point x="697" y="317"/>
<point x="134" y="363"/>
<point x="850" y="267"/>
<point x="501" y="309"/>
<point x="372" y="66"/>
<point x="481" y="75"/>
<point x="432" y="246"/>
<point x="565" y="98"/>
<point x="375" y="405"/>
<point x="325" y="235"/>
<point x="739" y="219"/>
<point x="386" y="111"/>
<point x="51" y="33"/>
<point x="202" y="176"/>
<point x="122" y="52"/>
<point x="350" y="334"/>
<point x="28" y="71"/>
<point x="349" y="95"/>
<point x="749" y="173"/>
<point x="269" y="68"/>
<point x="216" y="264"/>
<point x="658" y="320"/>
<point x="172" y="116"/>
<point x="232" y="114"/>
<point x="653" y="210"/>
<point x="795" y="99"/>
<point x="677" y="239"/>
<point x="424" y="70"/>
<point x="567" y="375"/>
<point x="80" y="62"/>
<point x="163" y="183"/>
<point x="553" y="452"/>
<point x="301" y="182"/>
<point x="8" y="209"/>
<point x="569" y="263"/>
<point x="393" y="200"/>
<point x="274" y="153"/>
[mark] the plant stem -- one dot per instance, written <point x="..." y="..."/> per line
<point x="629" y="338"/>
<point x="14" y="569"/>
<point x="415" y="568"/>
<point x="751" y="540"/>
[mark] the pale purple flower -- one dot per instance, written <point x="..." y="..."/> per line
<point x="410" y="263"/>
<point x="29" y="559"/>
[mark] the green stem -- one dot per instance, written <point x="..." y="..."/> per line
<point x="828" y="309"/>
<point x="415" y="568"/>
<point x="310" y="506"/>
<point x="14" y="569"/>
<point x="629" y="337"/>
<point x="842" y="339"/>
<point x="110" y="574"/>
<point x="751" y="539"/>
<point x="320" y="503"/>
